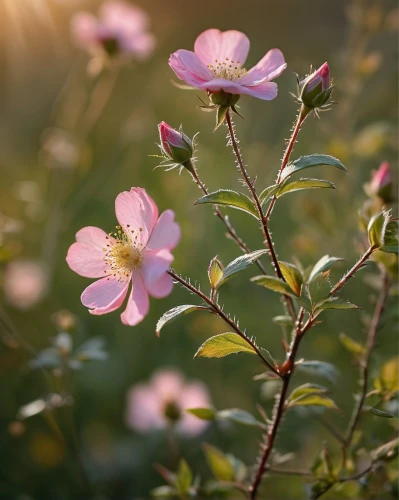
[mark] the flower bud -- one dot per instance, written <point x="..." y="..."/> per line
<point x="381" y="183"/>
<point x="317" y="88"/>
<point x="175" y="145"/>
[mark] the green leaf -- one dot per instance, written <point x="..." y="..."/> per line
<point x="184" y="477"/>
<point x="319" y="289"/>
<point x="391" y="243"/>
<point x="174" y="313"/>
<point x="314" y="400"/>
<point x="283" y="321"/>
<point x="377" y="227"/>
<point x="215" y="272"/>
<point x="222" y="345"/>
<point x="306" y="389"/>
<point x="221" y="116"/>
<point x="219" y="463"/>
<point x="336" y="303"/>
<point x="311" y="161"/>
<point x="239" y="416"/>
<point x="292" y="276"/>
<point x="203" y="413"/>
<point x="321" y="368"/>
<point x="267" y="193"/>
<point x="351" y="345"/>
<point x="323" y="265"/>
<point x="239" y="264"/>
<point x="380" y="413"/>
<point x="289" y="187"/>
<point x="228" y="198"/>
<point x="273" y="283"/>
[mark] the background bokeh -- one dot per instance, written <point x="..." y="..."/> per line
<point x="45" y="85"/>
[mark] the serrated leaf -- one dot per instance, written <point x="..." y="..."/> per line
<point x="267" y="193"/>
<point x="222" y="345"/>
<point x="377" y="227"/>
<point x="351" y="345"/>
<point x="229" y="198"/>
<point x="323" y="265"/>
<point x="391" y="243"/>
<point x="273" y="283"/>
<point x="289" y="187"/>
<point x="174" y="313"/>
<point x="336" y="303"/>
<point x="215" y="272"/>
<point x="380" y="413"/>
<point x="203" y="413"/>
<point x="314" y="400"/>
<point x="292" y="276"/>
<point x="239" y="264"/>
<point x="220" y="465"/>
<point x="239" y="416"/>
<point x="315" y="160"/>
<point x="321" y="368"/>
<point x="319" y="289"/>
<point x="283" y="321"/>
<point x="184" y="477"/>
<point x="306" y="389"/>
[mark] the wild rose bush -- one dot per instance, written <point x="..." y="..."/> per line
<point x="136" y="263"/>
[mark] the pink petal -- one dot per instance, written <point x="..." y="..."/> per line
<point x="138" y="304"/>
<point x="105" y="295"/>
<point x="166" y="233"/>
<point x="167" y="384"/>
<point x="214" y="44"/>
<point x="193" y="395"/>
<point x="124" y="16"/>
<point x="221" y="84"/>
<point x="160" y="288"/>
<point x="155" y="264"/>
<point x="265" y="91"/>
<point x="268" y="68"/>
<point x="189" y="68"/>
<point x="144" y="409"/>
<point x="86" y="256"/>
<point x="137" y="212"/>
<point x="84" y="28"/>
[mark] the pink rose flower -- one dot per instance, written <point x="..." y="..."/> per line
<point x="138" y="253"/>
<point x="217" y="64"/>
<point x="162" y="402"/>
<point x="120" y="28"/>
<point x="25" y="283"/>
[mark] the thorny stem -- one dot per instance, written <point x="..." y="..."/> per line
<point x="262" y="217"/>
<point x="375" y="322"/>
<point x="215" y="308"/>
<point x="352" y="271"/>
<point x="224" y="218"/>
<point x="290" y="146"/>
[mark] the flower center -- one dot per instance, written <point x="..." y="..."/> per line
<point x="227" y="69"/>
<point x="124" y="253"/>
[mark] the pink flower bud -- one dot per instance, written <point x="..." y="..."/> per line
<point x="316" y="88"/>
<point x="381" y="183"/>
<point x="175" y="144"/>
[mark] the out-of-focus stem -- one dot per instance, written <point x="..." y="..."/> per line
<point x="214" y="307"/>
<point x="262" y="218"/>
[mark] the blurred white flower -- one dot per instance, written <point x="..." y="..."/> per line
<point x="162" y="403"/>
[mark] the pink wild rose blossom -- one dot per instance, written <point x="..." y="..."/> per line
<point x="162" y="402"/>
<point x="120" y="29"/>
<point x="217" y="64"/>
<point x="25" y="283"/>
<point x="138" y="253"/>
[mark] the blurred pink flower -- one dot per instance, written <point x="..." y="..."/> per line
<point x="162" y="401"/>
<point x="25" y="283"/>
<point x="381" y="183"/>
<point x="120" y="29"/>
<point x="217" y="64"/>
<point x="138" y="252"/>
